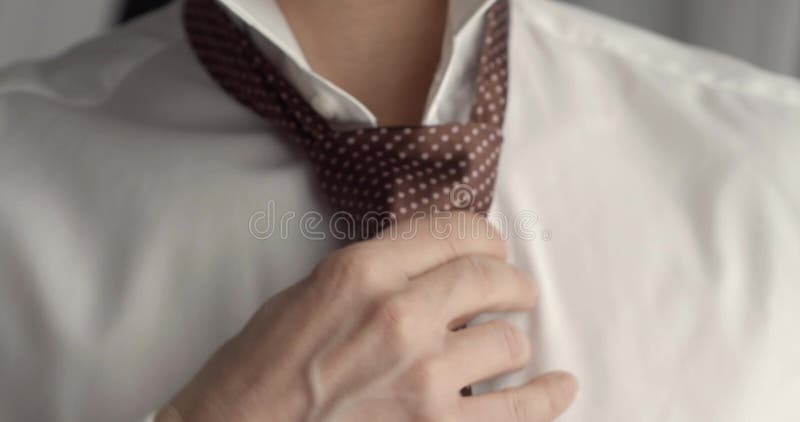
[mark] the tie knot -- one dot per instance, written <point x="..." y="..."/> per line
<point x="372" y="176"/>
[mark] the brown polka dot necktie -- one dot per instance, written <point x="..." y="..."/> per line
<point x="375" y="172"/>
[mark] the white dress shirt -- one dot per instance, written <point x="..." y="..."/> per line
<point x="663" y="180"/>
<point x="35" y="29"/>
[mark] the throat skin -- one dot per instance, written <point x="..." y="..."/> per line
<point x="382" y="52"/>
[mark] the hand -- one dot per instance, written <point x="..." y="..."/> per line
<point x="369" y="336"/>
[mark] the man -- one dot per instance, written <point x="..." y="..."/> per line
<point x="161" y="186"/>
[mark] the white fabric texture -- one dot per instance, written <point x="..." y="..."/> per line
<point x="663" y="181"/>
<point x="764" y="32"/>
<point x="31" y="29"/>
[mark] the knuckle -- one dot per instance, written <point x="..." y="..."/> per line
<point x="491" y="235"/>
<point x="480" y="232"/>
<point x="353" y="267"/>
<point x="395" y="319"/>
<point x="394" y="311"/>
<point x="422" y="380"/>
<point x="519" y="406"/>
<point x="547" y="404"/>
<point x="516" y="344"/>
<point x="433" y="401"/>
<point x="426" y="382"/>
<point x="476" y="270"/>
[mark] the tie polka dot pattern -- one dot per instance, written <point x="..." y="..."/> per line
<point x="396" y="171"/>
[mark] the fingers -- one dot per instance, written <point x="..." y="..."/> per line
<point x="541" y="400"/>
<point x="413" y="320"/>
<point x="482" y="352"/>
<point x="470" y="285"/>
<point x="386" y="264"/>
<point x="418" y="245"/>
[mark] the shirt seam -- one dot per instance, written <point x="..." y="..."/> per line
<point x="677" y="69"/>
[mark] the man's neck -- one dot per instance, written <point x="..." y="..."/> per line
<point x="383" y="52"/>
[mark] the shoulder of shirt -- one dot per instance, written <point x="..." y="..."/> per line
<point x="575" y="27"/>
<point x="90" y="71"/>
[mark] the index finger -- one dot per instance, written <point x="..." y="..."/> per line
<point x="418" y="245"/>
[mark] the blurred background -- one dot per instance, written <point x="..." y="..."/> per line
<point x="764" y="32"/>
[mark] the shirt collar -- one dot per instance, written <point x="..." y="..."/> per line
<point x="266" y="23"/>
